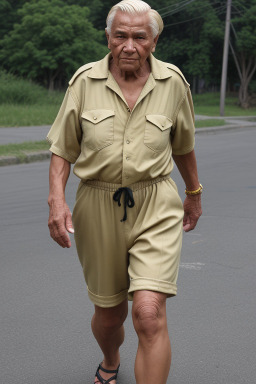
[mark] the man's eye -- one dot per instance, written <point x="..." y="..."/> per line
<point x="119" y="36"/>
<point x="140" y="37"/>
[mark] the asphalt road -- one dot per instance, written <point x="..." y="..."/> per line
<point x="21" y="134"/>
<point x="17" y="135"/>
<point x="44" y="309"/>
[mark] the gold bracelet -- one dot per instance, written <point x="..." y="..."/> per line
<point x="196" y="192"/>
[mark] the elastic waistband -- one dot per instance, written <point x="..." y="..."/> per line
<point x="134" y="187"/>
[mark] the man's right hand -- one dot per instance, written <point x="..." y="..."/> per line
<point x="60" y="223"/>
<point x="60" y="220"/>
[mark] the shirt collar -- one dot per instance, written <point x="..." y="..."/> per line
<point x="159" y="69"/>
<point x="100" y="69"/>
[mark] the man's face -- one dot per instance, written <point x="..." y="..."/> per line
<point x="131" y="41"/>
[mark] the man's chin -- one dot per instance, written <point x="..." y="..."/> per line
<point x="131" y="65"/>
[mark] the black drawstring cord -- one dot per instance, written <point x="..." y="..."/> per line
<point x="128" y="199"/>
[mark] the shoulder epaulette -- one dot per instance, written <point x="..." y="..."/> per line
<point x="176" y="69"/>
<point x="79" y="71"/>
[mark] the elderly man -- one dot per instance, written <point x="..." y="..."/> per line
<point x="122" y="121"/>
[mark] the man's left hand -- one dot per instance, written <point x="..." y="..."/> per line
<point x="192" y="212"/>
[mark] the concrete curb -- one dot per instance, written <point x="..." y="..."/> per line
<point x="224" y="128"/>
<point x="30" y="157"/>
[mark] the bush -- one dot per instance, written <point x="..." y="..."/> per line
<point x="15" y="90"/>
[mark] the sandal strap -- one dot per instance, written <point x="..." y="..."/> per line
<point x="108" y="370"/>
<point x="104" y="381"/>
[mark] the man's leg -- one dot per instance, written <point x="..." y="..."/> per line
<point x="153" y="358"/>
<point x="108" y="330"/>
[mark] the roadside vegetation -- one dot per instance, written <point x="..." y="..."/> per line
<point x="209" y="104"/>
<point x="17" y="115"/>
<point x="204" y="123"/>
<point x="24" y="103"/>
<point x="21" y="150"/>
<point x="72" y="34"/>
<point x="35" y="67"/>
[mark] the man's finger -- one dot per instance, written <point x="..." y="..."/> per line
<point x="190" y="224"/>
<point x="69" y="224"/>
<point x="63" y="237"/>
<point x="59" y="234"/>
<point x="63" y="241"/>
<point x="186" y="228"/>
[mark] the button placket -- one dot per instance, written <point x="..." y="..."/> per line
<point x="127" y="154"/>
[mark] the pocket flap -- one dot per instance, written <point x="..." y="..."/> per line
<point x="162" y="122"/>
<point x="97" y="115"/>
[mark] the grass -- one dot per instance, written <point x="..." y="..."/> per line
<point x="209" y="104"/>
<point x="23" y="103"/>
<point x="15" y="90"/>
<point x="26" y="115"/>
<point x="44" y="113"/>
<point x="209" y="123"/>
<point x="20" y="150"/>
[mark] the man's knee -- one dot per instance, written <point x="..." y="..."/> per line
<point x="111" y="319"/>
<point x="148" y="312"/>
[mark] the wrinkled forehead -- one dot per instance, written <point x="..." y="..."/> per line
<point x="129" y="21"/>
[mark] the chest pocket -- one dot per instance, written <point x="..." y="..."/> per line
<point x="157" y="132"/>
<point x="98" y="128"/>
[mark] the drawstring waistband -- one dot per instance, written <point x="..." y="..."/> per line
<point x="128" y="199"/>
<point x="128" y="192"/>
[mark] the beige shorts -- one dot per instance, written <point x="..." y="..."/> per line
<point x="141" y="253"/>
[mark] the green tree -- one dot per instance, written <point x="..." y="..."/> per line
<point x="5" y="9"/>
<point x="191" y="39"/>
<point x="243" y="47"/>
<point x="51" y="41"/>
<point x="8" y="14"/>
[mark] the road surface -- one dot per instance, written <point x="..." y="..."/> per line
<point x="45" y="312"/>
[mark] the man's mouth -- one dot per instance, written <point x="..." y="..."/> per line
<point x="128" y="58"/>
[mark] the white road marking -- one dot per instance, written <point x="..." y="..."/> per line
<point x="197" y="241"/>
<point x="193" y="234"/>
<point x="194" y="266"/>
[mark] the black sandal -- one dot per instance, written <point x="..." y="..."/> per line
<point x="103" y="381"/>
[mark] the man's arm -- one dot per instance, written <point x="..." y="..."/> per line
<point x="192" y="204"/>
<point x="60" y="220"/>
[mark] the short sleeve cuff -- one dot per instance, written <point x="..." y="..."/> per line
<point x="59" y="152"/>
<point x="185" y="150"/>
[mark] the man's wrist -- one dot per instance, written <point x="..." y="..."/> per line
<point x="56" y="200"/>
<point x="194" y="192"/>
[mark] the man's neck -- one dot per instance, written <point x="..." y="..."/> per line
<point x="129" y="76"/>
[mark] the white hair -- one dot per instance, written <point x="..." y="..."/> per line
<point x="135" y="7"/>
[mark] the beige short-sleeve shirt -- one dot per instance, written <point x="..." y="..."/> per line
<point x="96" y="130"/>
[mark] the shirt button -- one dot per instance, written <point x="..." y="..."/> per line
<point x="127" y="141"/>
<point x="163" y="125"/>
<point x="127" y="158"/>
<point x="94" y="118"/>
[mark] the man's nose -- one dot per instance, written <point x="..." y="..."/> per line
<point x="129" y="46"/>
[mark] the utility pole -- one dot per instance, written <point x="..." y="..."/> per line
<point x="225" y="60"/>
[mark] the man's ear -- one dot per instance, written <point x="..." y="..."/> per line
<point x="154" y="44"/>
<point x="107" y="36"/>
